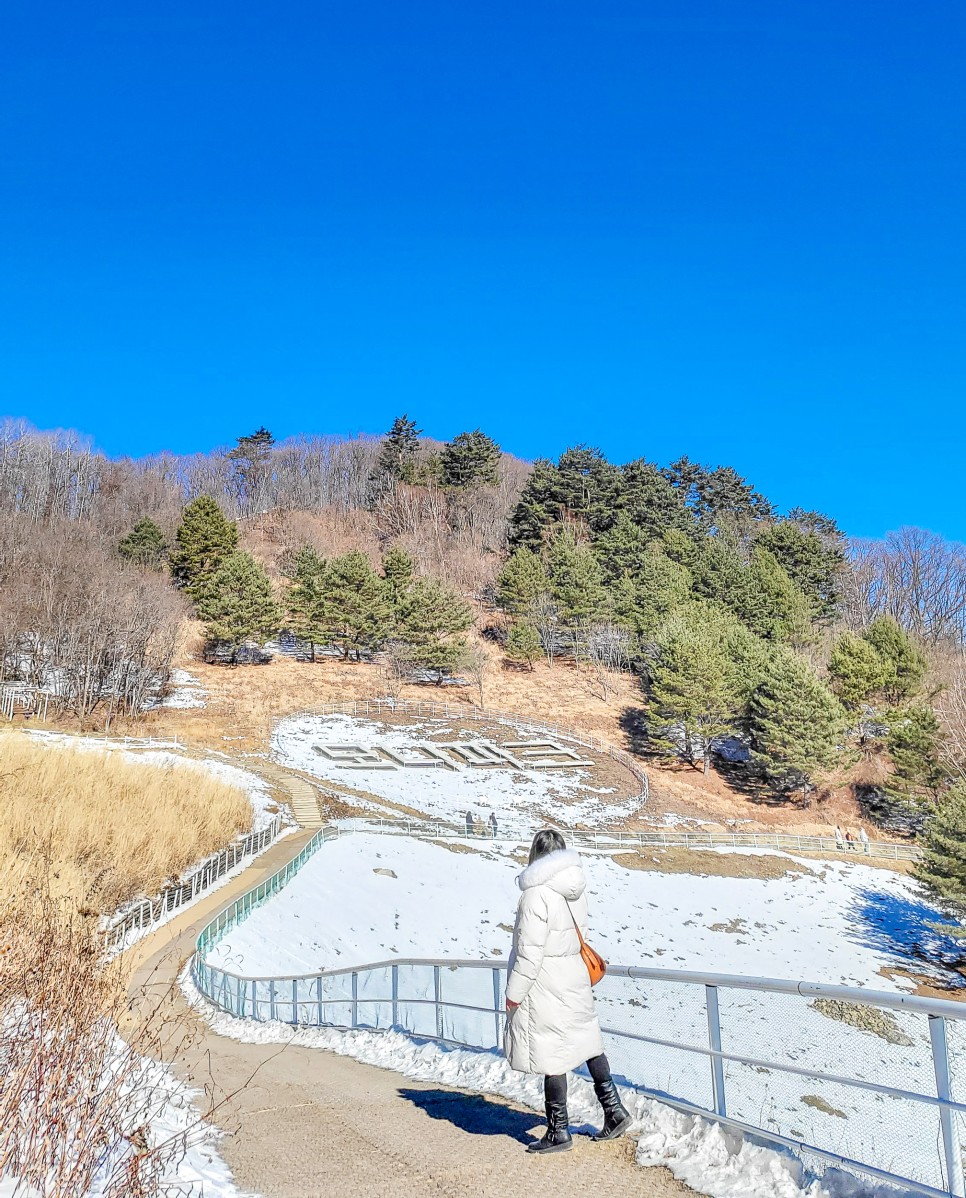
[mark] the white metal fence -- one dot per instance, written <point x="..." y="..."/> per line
<point x="864" y="1080"/>
<point x="145" y="913"/>
<point x="604" y="840"/>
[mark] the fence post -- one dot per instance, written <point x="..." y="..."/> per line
<point x="318" y="997"/>
<point x="295" y="1001"/>
<point x="355" y="999"/>
<point x="271" y="1000"/>
<point x="395" y="996"/>
<point x="714" y="1040"/>
<point x="438" y="995"/>
<point x="497" y="1004"/>
<point x="947" y="1119"/>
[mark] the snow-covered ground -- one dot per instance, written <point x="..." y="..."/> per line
<point x="568" y="796"/>
<point x="184" y="691"/>
<point x="368" y="898"/>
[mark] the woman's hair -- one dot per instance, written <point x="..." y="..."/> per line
<point x="546" y="841"/>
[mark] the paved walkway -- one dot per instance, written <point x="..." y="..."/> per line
<point x="304" y="1123"/>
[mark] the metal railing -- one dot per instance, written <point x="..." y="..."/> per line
<point x="691" y="1040"/>
<point x="374" y="708"/>
<point x="891" y="1088"/>
<point x="145" y="913"/>
<point x="607" y="840"/>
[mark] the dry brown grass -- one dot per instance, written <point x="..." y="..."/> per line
<point x="763" y="866"/>
<point x="111" y="829"/>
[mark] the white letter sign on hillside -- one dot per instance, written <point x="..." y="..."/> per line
<point x="454" y="755"/>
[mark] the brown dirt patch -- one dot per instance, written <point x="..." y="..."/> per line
<point x="763" y="866"/>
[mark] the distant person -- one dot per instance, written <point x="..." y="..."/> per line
<point x="551" y="1024"/>
<point x="863" y="836"/>
<point x="849" y="840"/>
<point x="839" y="839"/>
<point x="493" y="824"/>
<point x="470" y="825"/>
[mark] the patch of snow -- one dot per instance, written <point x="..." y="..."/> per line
<point x="186" y="691"/>
<point x="525" y="800"/>
<point x="193" y="1166"/>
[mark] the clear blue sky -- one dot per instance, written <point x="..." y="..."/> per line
<point x="733" y="230"/>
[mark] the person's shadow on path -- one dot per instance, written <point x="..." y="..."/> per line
<point x="475" y="1114"/>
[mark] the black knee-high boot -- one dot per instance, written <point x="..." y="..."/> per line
<point x="557" y="1138"/>
<point x="617" y="1119"/>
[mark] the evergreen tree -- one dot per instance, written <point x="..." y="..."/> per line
<point x="307" y="597"/>
<point x="661" y="586"/>
<point x="205" y="539"/>
<point x="144" y="544"/>
<point x="538" y="507"/>
<point x="398" y="569"/>
<point x="913" y="743"/>
<point x="692" y="691"/>
<point x="622" y="549"/>
<point x="856" y="669"/>
<point x="720" y="574"/>
<point x="522" y="579"/>
<point x="251" y="467"/>
<point x="399" y="456"/>
<point x="720" y="499"/>
<point x="795" y="722"/>
<point x="903" y="663"/>
<point x="238" y="604"/>
<point x="771" y="605"/>
<point x="942" y="869"/>
<point x="523" y="644"/>
<point x="813" y="559"/>
<point x="651" y="503"/>
<point x="576" y="581"/>
<point x="356" y="612"/>
<point x="431" y="622"/>
<point x="470" y="460"/>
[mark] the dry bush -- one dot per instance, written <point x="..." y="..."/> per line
<point x="113" y="829"/>
<point x="80" y="1107"/>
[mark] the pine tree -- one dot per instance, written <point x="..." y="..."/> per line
<point x="904" y="663"/>
<point x="623" y="549"/>
<point x="576" y="581"/>
<point x="661" y="586"/>
<point x="306" y="597"/>
<point x="205" y="539"/>
<point x="720" y="574"/>
<point x="523" y="644"/>
<point x="942" y="869"/>
<point x="693" y="688"/>
<point x="522" y="579"/>
<point x="795" y="722"/>
<point x="771" y="605"/>
<point x="431" y="622"/>
<point x="583" y="487"/>
<point x="913" y="742"/>
<point x="538" y="507"/>
<point x="398" y="458"/>
<point x="398" y="569"/>
<point x="470" y="460"/>
<point x="812" y="558"/>
<point x="355" y="610"/>
<point x="251" y="467"/>
<point x="856" y="669"/>
<point x="651" y="503"/>
<point x="144" y="544"/>
<point x="238" y="605"/>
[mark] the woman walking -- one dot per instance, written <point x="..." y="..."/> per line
<point x="551" y="1025"/>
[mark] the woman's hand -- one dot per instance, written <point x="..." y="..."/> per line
<point x="511" y="1005"/>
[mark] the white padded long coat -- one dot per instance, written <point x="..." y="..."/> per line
<point x="554" y="1029"/>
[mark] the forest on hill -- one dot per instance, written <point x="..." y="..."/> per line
<point x="744" y="625"/>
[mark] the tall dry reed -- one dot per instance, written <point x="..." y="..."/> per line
<point x="112" y="829"/>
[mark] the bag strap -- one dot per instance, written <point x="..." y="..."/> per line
<point x="580" y="935"/>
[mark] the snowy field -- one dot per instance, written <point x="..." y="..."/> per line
<point x="526" y="800"/>
<point x="368" y="898"/>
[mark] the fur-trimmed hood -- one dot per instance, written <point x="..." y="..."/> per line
<point x="562" y="871"/>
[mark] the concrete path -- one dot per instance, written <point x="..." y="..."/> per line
<point x="305" y="1123"/>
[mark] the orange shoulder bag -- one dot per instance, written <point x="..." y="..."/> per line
<point x="596" y="965"/>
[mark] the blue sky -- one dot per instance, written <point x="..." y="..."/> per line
<point x="733" y="230"/>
